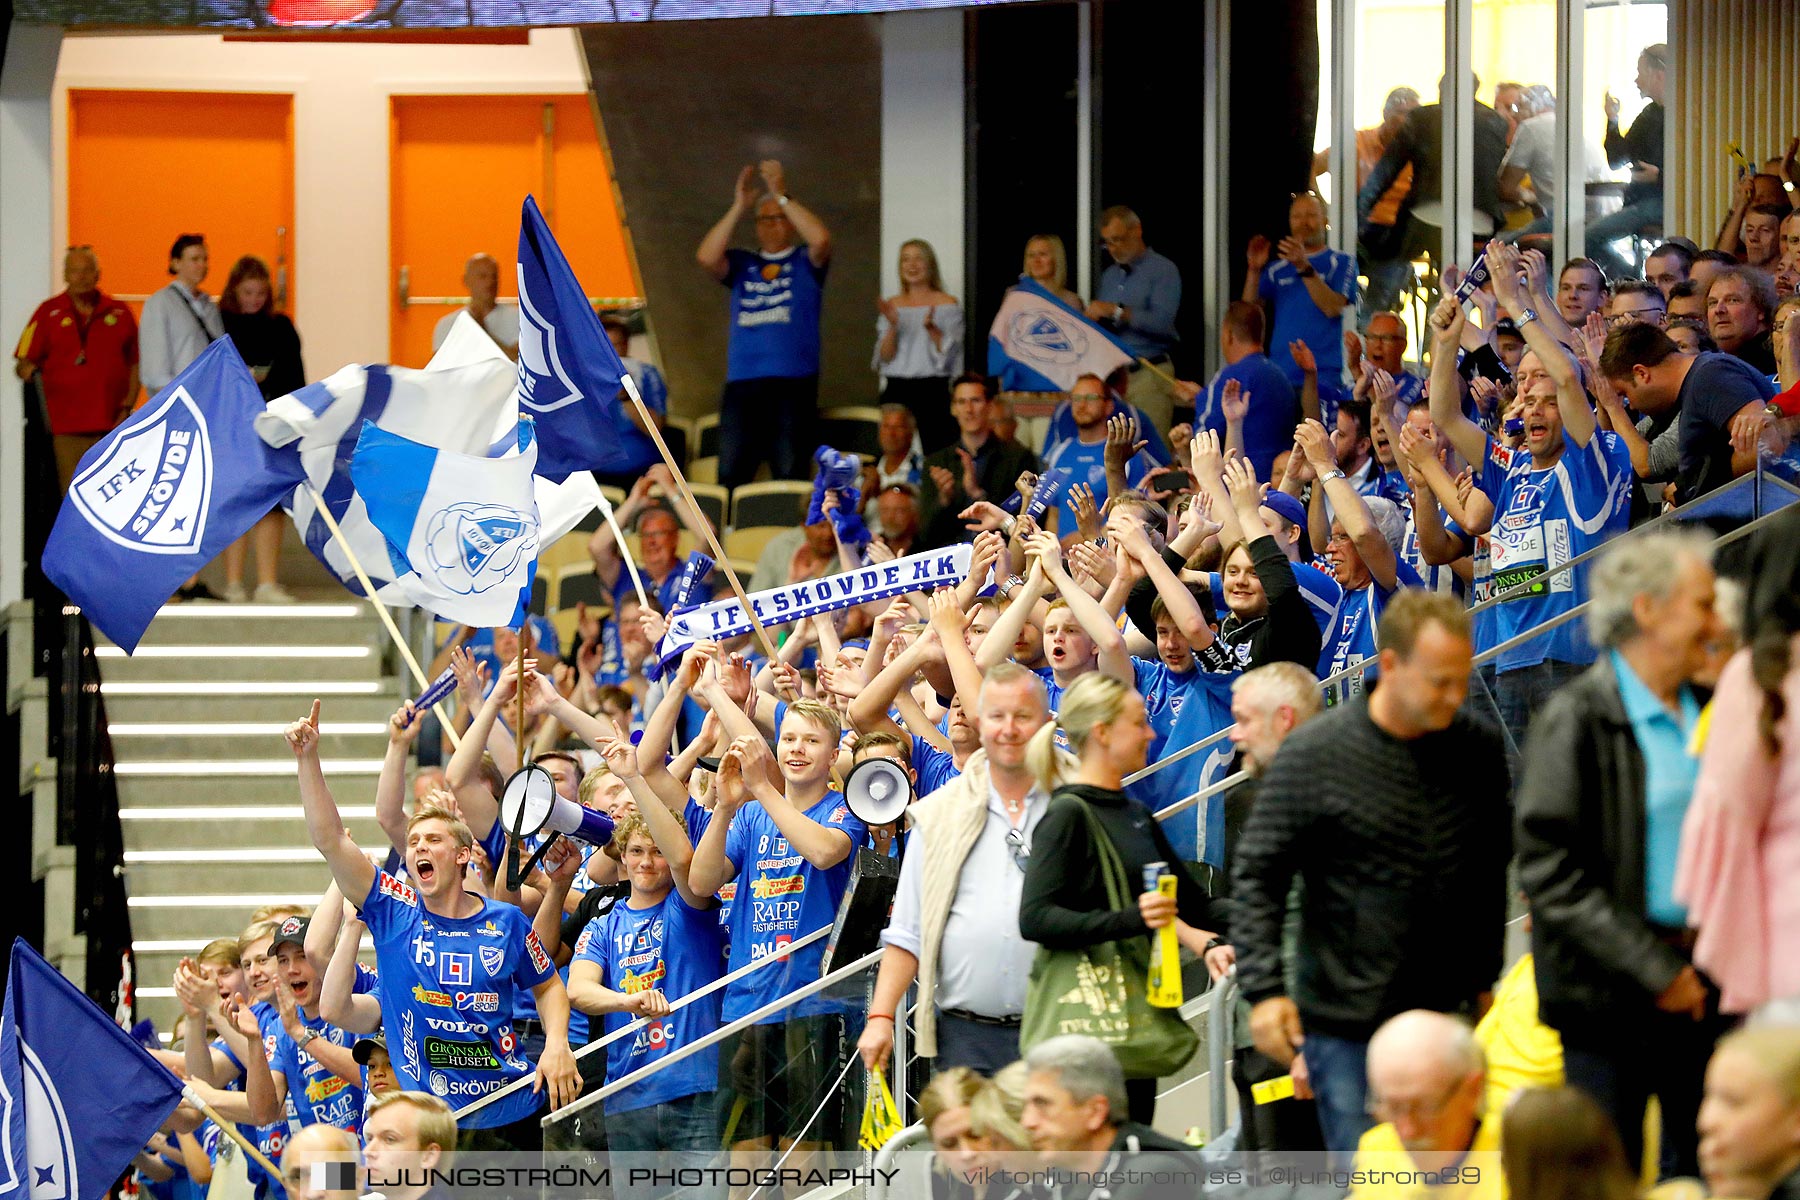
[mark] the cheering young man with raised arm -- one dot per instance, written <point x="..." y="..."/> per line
<point x="1567" y="491"/>
<point x="451" y="965"/>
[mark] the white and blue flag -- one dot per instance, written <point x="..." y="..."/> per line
<point x="160" y="496"/>
<point x="464" y="402"/>
<point x="1039" y="344"/>
<point x="78" y="1097"/>
<point x="569" y="376"/>
<point x="462" y="528"/>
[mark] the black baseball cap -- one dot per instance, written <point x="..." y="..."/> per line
<point x="291" y="929"/>
<point x="366" y="1047"/>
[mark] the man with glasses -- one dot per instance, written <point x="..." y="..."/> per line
<point x="955" y="924"/>
<point x="1139" y="296"/>
<point x="1636" y="302"/>
<point x="1427" y="1076"/>
<point x="1385" y="339"/>
<point x="772" y="366"/>
<point x="1307" y="287"/>
<point x="82" y="347"/>
<point x="659" y="534"/>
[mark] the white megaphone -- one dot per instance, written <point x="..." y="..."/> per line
<point x="878" y="791"/>
<point x="530" y="805"/>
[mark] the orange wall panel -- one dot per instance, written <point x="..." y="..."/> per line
<point x="461" y="166"/>
<point x="145" y="166"/>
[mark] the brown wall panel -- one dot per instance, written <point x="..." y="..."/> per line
<point x="685" y="105"/>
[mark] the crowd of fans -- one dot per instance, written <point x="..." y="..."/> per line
<point x="1354" y="577"/>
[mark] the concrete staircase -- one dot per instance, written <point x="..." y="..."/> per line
<point x="211" y="815"/>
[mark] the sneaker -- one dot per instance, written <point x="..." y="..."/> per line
<point x="235" y="594"/>
<point x="198" y="592"/>
<point x="273" y="593"/>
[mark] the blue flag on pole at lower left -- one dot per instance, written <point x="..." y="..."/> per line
<point x="160" y="496"/>
<point x="78" y="1097"/>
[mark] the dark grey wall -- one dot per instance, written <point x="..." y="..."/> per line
<point x="685" y="105"/>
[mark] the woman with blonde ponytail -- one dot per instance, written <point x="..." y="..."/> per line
<point x="1063" y="906"/>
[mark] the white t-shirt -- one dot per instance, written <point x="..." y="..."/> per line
<point x="1533" y="151"/>
<point x="502" y="324"/>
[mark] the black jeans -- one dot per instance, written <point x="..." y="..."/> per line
<point x="1646" y="1053"/>
<point x="767" y="421"/>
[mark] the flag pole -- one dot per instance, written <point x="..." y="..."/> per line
<point x="712" y="538"/>
<point x="230" y="1130"/>
<point x="1158" y="371"/>
<point x="519" y="728"/>
<point x="606" y="510"/>
<point x="381" y="611"/>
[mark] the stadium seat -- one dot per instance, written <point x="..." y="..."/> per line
<point x="704" y="470"/>
<point x="705" y="442"/>
<point x="778" y="502"/>
<point x="746" y="543"/>
<point x="714" y="502"/>
<point x="856" y="429"/>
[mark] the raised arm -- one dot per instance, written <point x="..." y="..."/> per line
<point x="1109" y="643"/>
<point x="1352" y="512"/>
<point x="390" y="786"/>
<point x="1256" y="257"/>
<point x="1571" y="399"/>
<point x="1469" y="439"/>
<point x="949" y="622"/>
<point x="711" y="254"/>
<point x="807" y="224"/>
<point x="338" y="1001"/>
<point x="1183" y="609"/>
<point x="1122" y="445"/>
<point x="666" y="828"/>
<point x="997" y="647"/>
<point x="480" y="807"/>
<point x="712" y="868"/>
<point x="350" y="867"/>
<point x="822" y="847"/>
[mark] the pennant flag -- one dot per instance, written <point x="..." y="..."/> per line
<point x="1039" y="344"/>
<point x="465" y="401"/>
<point x="687" y="587"/>
<point x="569" y="376"/>
<point x="464" y="528"/>
<point x="777" y="606"/>
<point x="78" y="1097"/>
<point x="160" y="496"/>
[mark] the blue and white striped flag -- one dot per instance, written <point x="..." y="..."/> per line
<point x="463" y="527"/>
<point x="464" y="402"/>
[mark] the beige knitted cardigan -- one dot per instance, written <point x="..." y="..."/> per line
<point x="952" y="819"/>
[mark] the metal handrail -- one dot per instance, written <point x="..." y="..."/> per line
<point x="1755" y="478"/>
<point x="716" y="1036"/>
<point x="641" y="1022"/>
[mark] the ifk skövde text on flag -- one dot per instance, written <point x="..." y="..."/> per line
<point x="160" y="496"/>
<point x="569" y="376"/>
<point x="463" y="527"/>
<point x="1039" y="344"/>
<point x="78" y="1097"/>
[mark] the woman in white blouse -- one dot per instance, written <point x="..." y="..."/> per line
<point x="919" y="344"/>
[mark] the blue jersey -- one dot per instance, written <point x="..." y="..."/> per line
<point x="1087" y="464"/>
<point x="1543" y="519"/>
<point x="934" y="767"/>
<point x="1298" y="318"/>
<point x="320" y="1096"/>
<point x="1184" y="708"/>
<point x="675" y="949"/>
<point x="1481" y="587"/>
<point x="481" y="646"/>
<point x="1062" y="428"/>
<point x="1273" y="415"/>
<point x="775" y="302"/>
<point x="784" y="899"/>
<point x="1436" y="578"/>
<point x="448" y="991"/>
<point x="1352" y="637"/>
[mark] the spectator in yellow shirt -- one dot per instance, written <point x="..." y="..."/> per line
<point x="1427" y="1088"/>
<point x="1522" y="1051"/>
